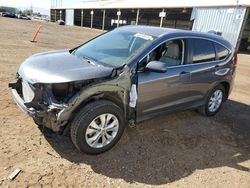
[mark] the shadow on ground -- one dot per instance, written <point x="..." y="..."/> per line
<point x="169" y="148"/>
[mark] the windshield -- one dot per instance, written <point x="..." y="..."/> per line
<point x="114" y="48"/>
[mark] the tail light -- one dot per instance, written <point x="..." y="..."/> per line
<point x="235" y="58"/>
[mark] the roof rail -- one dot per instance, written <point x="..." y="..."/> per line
<point x="215" y="32"/>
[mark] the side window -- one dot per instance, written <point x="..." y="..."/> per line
<point x="171" y="53"/>
<point x="221" y="51"/>
<point x="203" y="51"/>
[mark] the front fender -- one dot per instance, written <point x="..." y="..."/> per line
<point x="117" y="87"/>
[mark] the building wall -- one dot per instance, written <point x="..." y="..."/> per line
<point x="228" y="21"/>
<point x="175" y="17"/>
<point x="245" y="34"/>
<point x="8" y="9"/>
<point x="69" y="17"/>
<point x="56" y="15"/>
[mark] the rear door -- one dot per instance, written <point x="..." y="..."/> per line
<point x="205" y="63"/>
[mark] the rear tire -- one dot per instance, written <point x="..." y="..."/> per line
<point x="214" y="101"/>
<point x="97" y="127"/>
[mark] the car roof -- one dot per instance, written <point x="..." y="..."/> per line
<point x="161" y="32"/>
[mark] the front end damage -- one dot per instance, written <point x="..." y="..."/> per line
<point x="54" y="105"/>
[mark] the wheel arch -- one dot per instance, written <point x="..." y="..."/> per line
<point x="113" y="97"/>
<point x="226" y="86"/>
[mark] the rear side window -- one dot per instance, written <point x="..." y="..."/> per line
<point x="221" y="51"/>
<point x="203" y="51"/>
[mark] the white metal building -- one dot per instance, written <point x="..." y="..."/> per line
<point x="228" y="17"/>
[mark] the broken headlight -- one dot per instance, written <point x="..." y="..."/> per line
<point x="28" y="93"/>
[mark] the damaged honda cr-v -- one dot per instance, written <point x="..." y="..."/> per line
<point x="122" y="77"/>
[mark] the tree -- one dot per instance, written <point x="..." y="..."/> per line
<point x="28" y="12"/>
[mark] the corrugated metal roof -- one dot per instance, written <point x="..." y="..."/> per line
<point x="120" y="4"/>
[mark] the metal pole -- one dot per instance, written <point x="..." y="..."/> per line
<point x="103" y="19"/>
<point x="82" y="18"/>
<point x="91" y="24"/>
<point x="60" y="14"/>
<point x="137" y="17"/>
<point x="55" y="15"/>
<point x="162" y="18"/>
<point x="118" y="19"/>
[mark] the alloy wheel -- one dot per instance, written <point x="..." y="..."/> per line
<point x="215" y="100"/>
<point x="102" y="130"/>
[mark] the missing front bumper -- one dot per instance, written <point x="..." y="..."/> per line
<point x="20" y="103"/>
<point x="46" y="116"/>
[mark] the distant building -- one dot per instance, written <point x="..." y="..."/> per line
<point x="231" y="18"/>
<point x="9" y="9"/>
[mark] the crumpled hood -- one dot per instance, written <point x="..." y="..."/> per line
<point x="59" y="67"/>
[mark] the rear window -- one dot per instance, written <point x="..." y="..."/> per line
<point x="221" y="51"/>
<point x="203" y="51"/>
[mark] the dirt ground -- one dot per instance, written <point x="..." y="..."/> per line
<point x="180" y="150"/>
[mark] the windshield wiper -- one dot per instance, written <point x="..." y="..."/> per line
<point x="72" y="50"/>
<point x="121" y="67"/>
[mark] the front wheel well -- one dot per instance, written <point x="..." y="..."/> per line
<point x="112" y="98"/>
<point x="108" y="97"/>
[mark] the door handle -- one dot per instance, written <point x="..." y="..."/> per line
<point x="184" y="72"/>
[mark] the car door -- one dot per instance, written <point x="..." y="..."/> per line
<point x="204" y="66"/>
<point x="161" y="92"/>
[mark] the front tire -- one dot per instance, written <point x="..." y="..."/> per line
<point x="214" y="101"/>
<point x="97" y="127"/>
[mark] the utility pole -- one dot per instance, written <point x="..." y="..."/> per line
<point x="31" y="9"/>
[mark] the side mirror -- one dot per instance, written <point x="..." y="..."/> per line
<point x="157" y="66"/>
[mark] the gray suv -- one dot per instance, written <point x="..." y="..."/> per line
<point x="123" y="77"/>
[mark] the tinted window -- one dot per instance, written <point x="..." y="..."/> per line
<point x="203" y="51"/>
<point x="222" y="52"/>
